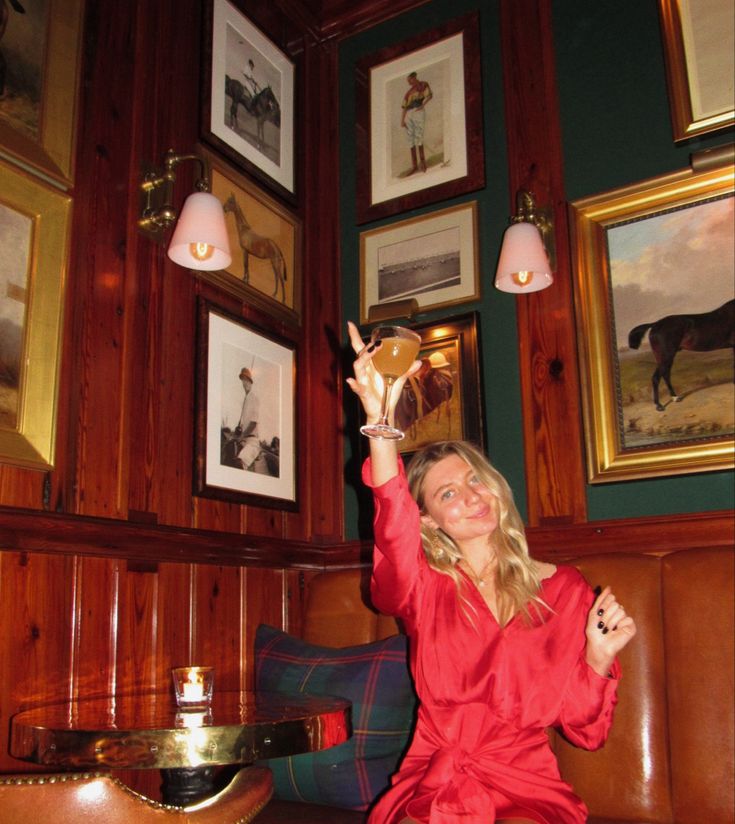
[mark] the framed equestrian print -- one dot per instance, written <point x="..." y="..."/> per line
<point x="443" y="401"/>
<point x="34" y="242"/>
<point x="654" y="295"/>
<point x="432" y="258"/>
<point x="245" y="418"/>
<point x="265" y="242"/>
<point x="419" y="121"/>
<point x="248" y="98"/>
<point x="39" y="80"/>
<point x="699" y="47"/>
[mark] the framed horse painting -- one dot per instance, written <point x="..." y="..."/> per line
<point x="655" y="300"/>
<point x="443" y="401"/>
<point x="265" y="242"/>
<point x="248" y="98"/>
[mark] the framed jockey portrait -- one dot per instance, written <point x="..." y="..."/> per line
<point x="245" y="412"/>
<point x="654" y="278"/>
<point x="444" y="400"/>
<point x="419" y="120"/>
<point x="40" y="57"/>
<point x="265" y="242"/>
<point x="248" y="98"/>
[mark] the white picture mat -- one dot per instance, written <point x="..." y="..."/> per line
<point x="227" y="62"/>
<point x="446" y="231"/>
<point x="230" y="348"/>
<point x="442" y="62"/>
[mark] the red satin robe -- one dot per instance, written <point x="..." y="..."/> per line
<point x="487" y="693"/>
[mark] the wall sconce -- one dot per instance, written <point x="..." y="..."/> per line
<point x="528" y="255"/>
<point x="200" y="238"/>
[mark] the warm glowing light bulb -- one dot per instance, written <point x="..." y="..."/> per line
<point x="201" y="251"/>
<point x="522" y="278"/>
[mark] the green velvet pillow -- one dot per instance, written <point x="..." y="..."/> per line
<point x="375" y="678"/>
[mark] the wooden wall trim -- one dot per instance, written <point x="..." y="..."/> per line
<point x="659" y="534"/>
<point x="32" y="531"/>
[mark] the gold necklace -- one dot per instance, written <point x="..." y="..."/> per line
<point x="479" y="579"/>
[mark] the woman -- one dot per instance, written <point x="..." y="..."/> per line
<point x="501" y="646"/>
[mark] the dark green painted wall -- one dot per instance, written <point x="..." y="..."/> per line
<point x="616" y="130"/>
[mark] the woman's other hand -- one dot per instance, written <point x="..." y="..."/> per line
<point x="609" y="628"/>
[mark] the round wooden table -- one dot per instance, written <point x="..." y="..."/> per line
<point x="149" y="732"/>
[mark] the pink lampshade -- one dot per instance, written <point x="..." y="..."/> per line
<point x="523" y="265"/>
<point x="200" y="238"/>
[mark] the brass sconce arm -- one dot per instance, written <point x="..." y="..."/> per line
<point x="527" y="211"/>
<point x="157" y="188"/>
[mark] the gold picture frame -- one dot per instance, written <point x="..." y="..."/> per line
<point x="646" y="253"/>
<point x="34" y="243"/>
<point x="698" y="48"/>
<point x="40" y="135"/>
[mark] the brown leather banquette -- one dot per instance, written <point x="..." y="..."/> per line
<point x="669" y="758"/>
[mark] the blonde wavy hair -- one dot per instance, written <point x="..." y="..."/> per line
<point x="516" y="580"/>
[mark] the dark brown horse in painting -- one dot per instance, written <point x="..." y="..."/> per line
<point x="698" y="333"/>
<point x="423" y="393"/>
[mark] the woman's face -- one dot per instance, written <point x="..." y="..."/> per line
<point x="456" y="502"/>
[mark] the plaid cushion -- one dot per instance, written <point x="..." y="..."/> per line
<point x="375" y="678"/>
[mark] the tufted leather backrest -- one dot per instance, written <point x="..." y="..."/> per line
<point x="337" y="611"/>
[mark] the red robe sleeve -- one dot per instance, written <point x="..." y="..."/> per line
<point x="399" y="562"/>
<point x="589" y="699"/>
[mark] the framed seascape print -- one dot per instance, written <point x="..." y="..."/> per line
<point x="419" y="121"/>
<point x="246" y="395"/>
<point x="433" y="258"/>
<point x="265" y="242"/>
<point x="699" y="47"/>
<point x="655" y="295"/>
<point x="444" y="401"/>
<point x="248" y="98"/>
<point x="34" y="242"/>
<point x="40" y="50"/>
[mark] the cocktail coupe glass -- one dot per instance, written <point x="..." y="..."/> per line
<point x="392" y="359"/>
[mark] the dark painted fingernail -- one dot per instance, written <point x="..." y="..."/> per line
<point x="371" y="348"/>
<point x="605" y="631"/>
<point x="600" y="611"/>
<point x="600" y="625"/>
<point x="597" y="590"/>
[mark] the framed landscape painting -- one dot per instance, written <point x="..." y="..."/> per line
<point x="34" y="243"/>
<point x="40" y="55"/>
<point x="655" y="300"/>
<point x="419" y="120"/>
<point x="246" y="395"/>
<point x="432" y="258"/>
<point x="248" y="98"/>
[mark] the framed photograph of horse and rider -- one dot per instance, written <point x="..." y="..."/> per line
<point x="419" y="135"/>
<point x="655" y="305"/>
<point x="265" y="243"/>
<point x="245" y="412"/>
<point x="248" y="98"/>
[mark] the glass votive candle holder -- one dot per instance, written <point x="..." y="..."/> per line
<point x="193" y="687"/>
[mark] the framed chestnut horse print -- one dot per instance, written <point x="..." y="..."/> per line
<point x="655" y="292"/>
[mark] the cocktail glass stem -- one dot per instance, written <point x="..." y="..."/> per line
<point x="387" y="386"/>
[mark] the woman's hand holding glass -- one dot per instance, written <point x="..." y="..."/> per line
<point x="370" y="386"/>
